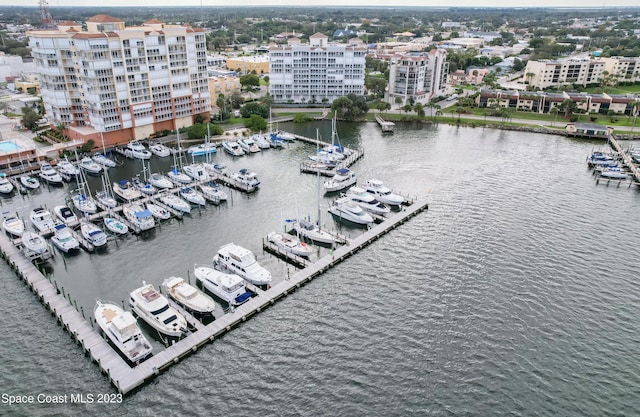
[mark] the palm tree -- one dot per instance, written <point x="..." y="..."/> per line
<point x="554" y="111"/>
<point x="634" y="111"/>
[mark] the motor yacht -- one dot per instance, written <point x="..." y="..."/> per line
<point x="285" y="136"/>
<point x="290" y="244"/>
<point x="115" y="226"/>
<point x="42" y="220"/>
<point x="238" y="260"/>
<point x="29" y="182"/>
<point x="63" y="239"/>
<point x="206" y="148"/>
<point x="382" y="193"/>
<point x="124" y="190"/>
<point x="68" y="170"/>
<point x="154" y="309"/>
<point x="93" y="234"/>
<point x="192" y="196"/>
<point x="230" y="288"/>
<point x="197" y="171"/>
<point x="175" y="202"/>
<point x="246" y="178"/>
<point x="90" y="166"/>
<point x="248" y="145"/>
<point x="342" y="179"/>
<point x="160" y="181"/>
<point x="34" y="245"/>
<point x="159" y="150"/>
<point x="49" y="174"/>
<point x="261" y="141"/>
<point x="5" y="185"/>
<point x="136" y="150"/>
<point x="367" y="201"/>
<point x="157" y="211"/>
<point x="345" y="209"/>
<point x="66" y="215"/>
<point x="232" y="148"/>
<point x="13" y="226"/>
<point x="138" y="216"/>
<point x="614" y="173"/>
<point x="187" y="296"/>
<point x="122" y="329"/>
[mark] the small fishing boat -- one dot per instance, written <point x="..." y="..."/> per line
<point x="189" y="297"/>
<point x="93" y="234"/>
<point x="122" y="329"/>
<point x="34" y="245"/>
<point x="66" y="215"/>
<point x="115" y="226"/>
<point x="159" y="150"/>
<point x="29" y="182"/>
<point x="13" y="226"/>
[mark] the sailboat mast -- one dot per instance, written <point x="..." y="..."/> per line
<point x="318" y="176"/>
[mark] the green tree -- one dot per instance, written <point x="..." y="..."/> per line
<point x="236" y="100"/>
<point x="249" y="81"/>
<point x="376" y="85"/>
<point x="196" y="131"/>
<point x="256" y="123"/>
<point x="30" y="118"/>
<point x="300" y="118"/>
<point x="266" y="79"/>
<point x="255" y="108"/>
<point x="199" y="118"/>
<point x="419" y="109"/>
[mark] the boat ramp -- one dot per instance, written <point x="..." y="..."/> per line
<point x="126" y="378"/>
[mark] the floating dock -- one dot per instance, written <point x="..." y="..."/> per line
<point x="626" y="159"/>
<point x="126" y="378"/>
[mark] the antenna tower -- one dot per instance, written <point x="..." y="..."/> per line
<point x="45" y="16"/>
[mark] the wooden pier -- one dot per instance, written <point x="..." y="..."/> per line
<point x="126" y="378"/>
<point x="384" y="125"/>
<point x="626" y="159"/>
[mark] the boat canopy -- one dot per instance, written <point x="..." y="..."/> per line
<point x="343" y="171"/>
<point x="143" y="214"/>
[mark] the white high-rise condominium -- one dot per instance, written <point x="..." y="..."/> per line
<point x="318" y="72"/>
<point x="419" y="76"/>
<point x="114" y="83"/>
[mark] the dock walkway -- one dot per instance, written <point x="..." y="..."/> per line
<point x="126" y="378"/>
<point x="384" y="125"/>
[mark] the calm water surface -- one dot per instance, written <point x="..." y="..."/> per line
<point x="516" y="294"/>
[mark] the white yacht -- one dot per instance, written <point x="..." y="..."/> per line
<point x="153" y="308"/>
<point x="367" y="201"/>
<point x="144" y="187"/>
<point x="13" y="226"/>
<point x="138" y="216"/>
<point x="232" y="148"/>
<point x="178" y="177"/>
<point x="105" y="198"/>
<point x="5" y="185"/>
<point x="93" y="234"/>
<point x="189" y="297"/>
<point x="345" y="209"/>
<point x="160" y="181"/>
<point x="206" y="148"/>
<point x="102" y="159"/>
<point x="213" y="193"/>
<point x="63" y="239"/>
<point x="175" y="202"/>
<point x="125" y="190"/>
<point x="123" y="331"/>
<point x="66" y="215"/>
<point x="90" y="166"/>
<point x="382" y="193"/>
<point x="160" y="150"/>
<point x="286" y="136"/>
<point x="68" y="170"/>
<point x="42" y="220"/>
<point x="49" y="174"/>
<point x="157" y="211"/>
<point x="34" y="245"/>
<point x="261" y="141"/>
<point x="136" y="150"/>
<point x="115" y="226"/>
<point x="228" y="287"/>
<point x="246" y="178"/>
<point x="248" y="145"/>
<point x="29" y="182"/>
<point x="84" y="204"/>
<point x="290" y="244"/>
<point x="192" y="196"/>
<point x="238" y="260"/>
<point x="342" y="179"/>
<point x="197" y="172"/>
<point x="311" y="231"/>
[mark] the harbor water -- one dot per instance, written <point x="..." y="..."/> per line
<point x="516" y="293"/>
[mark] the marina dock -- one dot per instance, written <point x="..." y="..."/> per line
<point x="125" y="378"/>
<point x="384" y="125"/>
<point x="626" y="159"/>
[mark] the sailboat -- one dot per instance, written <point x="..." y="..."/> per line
<point x="308" y="230"/>
<point x="82" y="200"/>
<point x="176" y="175"/>
<point x="105" y="196"/>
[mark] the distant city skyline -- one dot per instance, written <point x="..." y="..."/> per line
<point x="306" y="3"/>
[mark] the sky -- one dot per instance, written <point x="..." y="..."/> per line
<point x="315" y="3"/>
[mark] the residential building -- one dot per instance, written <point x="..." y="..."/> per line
<point x="114" y="83"/>
<point x="247" y="64"/>
<point x="545" y="74"/>
<point x="624" y="69"/>
<point x="223" y="84"/>
<point x="316" y="72"/>
<point x="418" y="76"/>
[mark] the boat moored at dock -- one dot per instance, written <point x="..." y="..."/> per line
<point x="175" y="202"/>
<point x="66" y="215"/>
<point x="232" y="148"/>
<point x="49" y="174"/>
<point x="228" y="287"/>
<point x="238" y="260"/>
<point x="93" y="234"/>
<point x="124" y="190"/>
<point x="154" y="309"/>
<point x="138" y="216"/>
<point x="42" y="220"/>
<point x="115" y="226"/>
<point x="13" y="226"/>
<point x="187" y="296"/>
<point x="345" y="209"/>
<point x="247" y="178"/>
<point x="64" y="240"/>
<point x="383" y="193"/>
<point x="159" y="150"/>
<point x="290" y="244"/>
<point x="367" y="201"/>
<point x="342" y="179"/>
